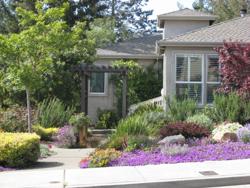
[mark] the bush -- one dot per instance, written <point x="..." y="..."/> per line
<point x="137" y="142"/>
<point x="201" y="119"/>
<point x="150" y="107"/>
<point x="223" y="128"/>
<point x="107" y="119"/>
<point x="53" y="113"/>
<point x="230" y="107"/>
<point x="46" y="134"/>
<point x="66" y="137"/>
<point x="100" y="158"/>
<point x="244" y="134"/>
<point x="181" y="109"/>
<point x="80" y="120"/>
<point x="188" y="130"/>
<point x="13" y="119"/>
<point x="19" y="149"/>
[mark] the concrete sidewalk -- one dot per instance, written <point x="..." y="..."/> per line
<point x="205" y="174"/>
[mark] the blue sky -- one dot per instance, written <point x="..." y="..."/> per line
<point x="164" y="6"/>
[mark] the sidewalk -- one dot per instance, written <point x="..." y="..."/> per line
<point x="206" y="174"/>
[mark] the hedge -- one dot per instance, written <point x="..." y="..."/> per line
<point x="19" y="149"/>
<point x="46" y="134"/>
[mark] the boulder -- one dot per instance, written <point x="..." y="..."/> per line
<point x="172" y="140"/>
<point x="229" y="137"/>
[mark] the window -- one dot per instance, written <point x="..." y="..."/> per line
<point x="191" y="80"/>
<point x="189" y="76"/>
<point x="213" y="76"/>
<point x="97" y="83"/>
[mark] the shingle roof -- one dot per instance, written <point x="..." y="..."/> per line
<point x="185" y="14"/>
<point x="138" y="47"/>
<point x="235" y="30"/>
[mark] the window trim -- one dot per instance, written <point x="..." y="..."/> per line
<point x="189" y="65"/>
<point x="99" y="94"/>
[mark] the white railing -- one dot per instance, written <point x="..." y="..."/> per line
<point x="158" y="101"/>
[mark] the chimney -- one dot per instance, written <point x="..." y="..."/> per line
<point x="243" y="12"/>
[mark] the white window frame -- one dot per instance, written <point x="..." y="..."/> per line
<point x="189" y="55"/>
<point x="100" y="94"/>
<point x="206" y="80"/>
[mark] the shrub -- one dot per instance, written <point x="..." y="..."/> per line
<point x="13" y="119"/>
<point x="80" y="120"/>
<point x="45" y="151"/>
<point x="175" y="149"/>
<point x="46" y="134"/>
<point x="137" y="142"/>
<point x="149" y="107"/>
<point x="53" y="113"/>
<point x="181" y="109"/>
<point x="18" y="149"/>
<point x="107" y="119"/>
<point x="66" y="137"/>
<point x="223" y="128"/>
<point x="100" y="158"/>
<point x="201" y="119"/>
<point x="188" y="130"/>
<point x="230" y="107"/>
<point x="244" y="134"/>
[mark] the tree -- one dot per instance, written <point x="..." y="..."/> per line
<point x="30" y="56"/>
<point x="234" y="58"/>
<point x="224" y="9"/>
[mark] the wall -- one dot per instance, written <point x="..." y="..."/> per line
<point x="176" y="27"/>
<point x="108" y="101"/>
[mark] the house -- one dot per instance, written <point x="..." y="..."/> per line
<point x="101" y="90"/>
<point x="190" y="64"/>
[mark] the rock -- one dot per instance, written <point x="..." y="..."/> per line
<point x="229" y="137"/>
<point x="173" y="140"/>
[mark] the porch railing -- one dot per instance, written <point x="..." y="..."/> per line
<point x="158" y="101"/>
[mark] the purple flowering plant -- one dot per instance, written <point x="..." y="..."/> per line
<point x="66" y="137"/>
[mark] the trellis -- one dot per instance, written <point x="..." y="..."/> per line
<point x="85" y="71"/>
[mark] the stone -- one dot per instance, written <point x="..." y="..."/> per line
<point x="229" y="137"/>
<point x="173" y="140"/>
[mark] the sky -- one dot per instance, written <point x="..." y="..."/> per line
<point x="164" y="6"/>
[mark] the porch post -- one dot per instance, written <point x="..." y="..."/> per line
<point x="124" y="95"/>
<point x="84" y="93"/>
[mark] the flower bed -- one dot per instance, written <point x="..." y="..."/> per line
<point x="211" y="152"/>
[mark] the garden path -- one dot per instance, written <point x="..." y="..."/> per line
<point x="62" y="159"/>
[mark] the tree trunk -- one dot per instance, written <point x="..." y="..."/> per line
<point x="28" y="109"/>
<point x="83" y="134"/>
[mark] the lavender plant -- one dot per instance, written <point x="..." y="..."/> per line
<point x="65" y="137"/>
<point x="244" y="133"/>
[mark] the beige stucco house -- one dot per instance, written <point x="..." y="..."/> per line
<point x="190" y="63"/>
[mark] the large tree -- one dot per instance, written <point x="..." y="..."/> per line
<point x="30" y="56"/>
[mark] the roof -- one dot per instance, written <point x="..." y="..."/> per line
<point x="232" y="30"/>
<point x="137" y="48"/>
<point x="185" y="14"/>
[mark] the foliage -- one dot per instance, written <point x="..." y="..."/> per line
<point x="148" y="107"/>
<point x="137" y="142"/>
<point x="53" y="113"/>
<point x="234" y="58"/>
<point x="80" y="120"/>
<point x="143" y="84"/>
<point x="107" y="119"/>
<point x="175" y="149"/>
<point x="18" y="149"/>
<point x="100" y="158"/>
<point x="181" y="109"/>
<point x="66" y="137"/>
<point x="45" y="134"/>
<point x="223" y="128"/>
<point x="244" y="134"/>
<point x="188" y="130"/>
<point x="228" y="107"/>
<point x="45" y="151"/>
<point x="145" y="124"/>
<point x="202" y="120"/>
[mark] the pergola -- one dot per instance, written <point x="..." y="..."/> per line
<point x="85" y="71"/>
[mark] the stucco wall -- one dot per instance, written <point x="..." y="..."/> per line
<point x="108" y="101"/>
<point x="176" y="27"/>
<point x="169" y="67"/>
